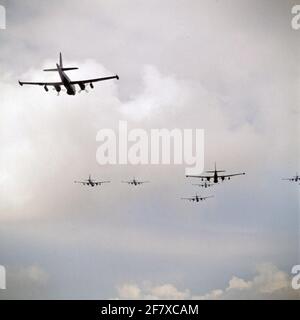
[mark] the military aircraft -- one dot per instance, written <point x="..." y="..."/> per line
<point x="90" y="182"/>
<point x="66" y="81"/>
<point x="296" y="178"/>
<point x="203" y="185"/>
<point x="135" y="182"/>
<point x="216" y="176"/>
<point x="197" y="198"/>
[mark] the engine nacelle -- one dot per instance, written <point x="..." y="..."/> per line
<point x="46" y="88"/>
<point x="57" y="88"/>
<point x="223" y="178"/>
<point x="82" y="86"/>
<point x="91" y="85"/>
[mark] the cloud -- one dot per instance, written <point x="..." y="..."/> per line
<point x="129" y="291"/>
<point x="237" y="283"/>
<point x="165" y="291"/>
<point x="159" y="94"/>
<point x="268" y="283"/>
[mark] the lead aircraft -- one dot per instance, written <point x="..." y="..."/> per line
<point x="66" y="81"/>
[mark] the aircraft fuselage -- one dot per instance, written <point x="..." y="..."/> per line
<point x="71" y="90"/>
<point x="215" y="177"/>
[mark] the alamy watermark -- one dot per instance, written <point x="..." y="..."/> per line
<point x="2" y="278"/>
<point x="156" y="146"/>
<point x="2" y="17"/>
<point x="295" y="22"/>
<point x="296" y="278"/>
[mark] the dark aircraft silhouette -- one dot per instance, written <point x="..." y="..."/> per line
<point x="65" y="80"/>
<point x="90" y="182"/>
<point x="197" y="198"/>
<point x="216" y="177"/>
<point x="204" y="185"/>
<point x="135" y="182"/>
<point x="296" y="178"/>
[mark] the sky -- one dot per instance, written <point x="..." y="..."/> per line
<point x="229" y="67"/>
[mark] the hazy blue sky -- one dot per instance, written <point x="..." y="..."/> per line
<point x="228" y="67"/>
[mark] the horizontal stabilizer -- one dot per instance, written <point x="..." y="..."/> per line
<point x="213" y="171"/>
<point x="71" y="68"/>
<point x="63" y="69"/>
<point x="50" y="69"/>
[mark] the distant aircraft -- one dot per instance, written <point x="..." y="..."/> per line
<point x="296" y="178"/>
<point x="65" y="80"/>
<point x="203" y="185"/>
<point x="90" y="182"/>
<point x="197" y="198"/>
<point x="135" y="182"/>
<point x="216" y="177"/>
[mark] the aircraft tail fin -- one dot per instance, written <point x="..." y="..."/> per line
<point x="61" y="65"/>
<point x="60" y="60"/>
<point x="213" y="171"/>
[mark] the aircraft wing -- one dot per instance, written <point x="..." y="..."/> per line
<point x="94" y="80"/>
<point x="203" y="198"/>
<point x="202" y="177"/>
<point x="83" y="182"/>
<point x="41" y="83"/>
<point x="231" y="175"/>
<point x="190" y="199"/>
<point x="141" y="182"/>
<point x="289" y="179"/>
<point x="100" y="182"/>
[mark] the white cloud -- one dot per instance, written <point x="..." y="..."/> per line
<point x="129" y="291"/>
<point x="238" y="283"/>
<point x="168" y="291"/>
<point x="160" y="94"/>
<point x="270" y="279"/>
<point x="268" y="283"/>
<point x="165" y="291"/>
<point x="213" y="295"/>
